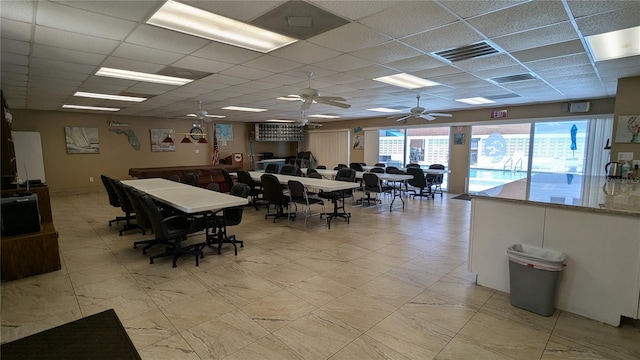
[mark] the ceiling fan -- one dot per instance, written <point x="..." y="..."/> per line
<point x="203" y="114"/>
<point x="419" y="112"/>
<point x="303" y="121"/>
<point x="310" y="95"/>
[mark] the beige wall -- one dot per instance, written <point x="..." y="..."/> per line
<point x="70" y="173"/>
<point x="627" y="103"/>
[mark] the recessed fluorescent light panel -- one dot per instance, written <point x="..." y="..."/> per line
<point x="324" y="116"/>
<point x="193" y="21"/>
<point x="289" y="98"/>
<point x="240" y="108"/>
<point x="140" y="76"/>
<point x="615" y="44"/>
<point x="109" y="97"/>
<point x="476" y="101"/>
<point x="280" y="121"/>
<point x="406" y="81"/>
<point x="81" y="107"/>
<point x="208" y="115"/>
<point x="384" y="110"/>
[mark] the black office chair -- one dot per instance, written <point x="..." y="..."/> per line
<point x="126" y="206"/>
<point x="418" y="182"/>
<point x="315" y="175"/>
<point x="213" y="187"/>
<point x="299" y="195"/>
<point x="311" y="171"/>
<point x="377" y="170"/>
<point x="173" y="230"/>
<point x="113" y="198"/>
<point x="143" y="220"/>
<point x="338" y="197"/>
<point x="290" y="170"/>
<point x="228" y="180"/>
<point x="436" y="180"/>
<point x="271" y="168"/>
<point x="340" y="166"/>
<point x="380" y="165"/>
<point x="412" y="165"/>
<point x="175" y="178"/>
<point x="256" y="190"/>
<point x="275" y="196"/>
<point x="356" y="166"/>
<point x="191" y="179"/>
<point x="224" y="218"/>
<point x="372" y="184"/>
<point x="321" y="167"/>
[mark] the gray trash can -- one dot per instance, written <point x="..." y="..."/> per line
<point x="533" y="277"/>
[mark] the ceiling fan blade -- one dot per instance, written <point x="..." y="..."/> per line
<point x="323" y="100"/>
<point x="329" y="98"/>
<point x="440" y="114"/>
<point x="428" y="117"/>
<point x="404" y="118"/>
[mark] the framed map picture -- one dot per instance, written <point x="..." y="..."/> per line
<point x="224" y="132"/>
<point x="157" y="140"/>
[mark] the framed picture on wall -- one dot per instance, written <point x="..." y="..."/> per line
<point x="158" y="143"/>
<point x="224" y="132"/>
<point x="458" y="139"/>
<point x="81" y="140"/>
<point x="628" y="130"/>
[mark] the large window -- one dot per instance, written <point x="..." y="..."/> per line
<point x="504" y="153"/>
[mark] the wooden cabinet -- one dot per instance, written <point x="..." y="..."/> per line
<point x="33" y="253"/>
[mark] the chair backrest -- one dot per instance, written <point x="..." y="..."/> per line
<point x="213" y="187"/>
<point x="340" y="166"/>
<point x="125" y="204"/>
<point x="161" y="229"/>
<point x="288" y="169"/>
<point x="418" y="177"/>
<point x="241" y="190"/>
<point x="296" y="191"/>
<point x="245" y="178"/>
<point x="380" y="165"/>
<point x="311" y="171"/>
<point x="436" y="166"/>
<point x="392" y="170"/>
<point x="271" y="168"/>
<point x="378" y="170"/>
<point x="175" y="177"/>
<point x="227" y="179"/>
<point x="272" y="189"/>
<point x="346" y="174"/>
<point x="314" y="175"/>
<point x="413" y="165"/>
<point x="356" y="166"/>
<point x="370" y="180"/>
<point x="191" y="179"/>
<point x="233" y="216"/>
<point x="113" y="197"/>
<point x="142" y="218"/>
<point x="436" y="178"/>
<point x="321" y="167"/>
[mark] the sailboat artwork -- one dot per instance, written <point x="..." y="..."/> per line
<point x="82" y="140"/>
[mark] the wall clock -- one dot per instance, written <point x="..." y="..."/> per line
<point x="196" y="133"/>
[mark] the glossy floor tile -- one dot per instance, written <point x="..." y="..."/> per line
<point x="389" y="285"/>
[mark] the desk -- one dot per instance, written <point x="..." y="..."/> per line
<point x="206" y="173"/>
<point x="320" y="184"/>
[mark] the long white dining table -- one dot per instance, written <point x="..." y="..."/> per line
<point x="186" y="198"/>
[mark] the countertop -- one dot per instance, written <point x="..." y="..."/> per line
<point x="572" y="191"/>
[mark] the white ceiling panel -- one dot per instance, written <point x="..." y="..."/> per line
<point x="71" y="39"/>
<point x="84" y="22"/>
<point x="74" y="41"/>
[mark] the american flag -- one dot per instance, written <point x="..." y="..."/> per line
<point x="214" y="160"/>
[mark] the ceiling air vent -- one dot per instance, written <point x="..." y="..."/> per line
<point x="467" y="52"/>
<point x="512" y="78"/>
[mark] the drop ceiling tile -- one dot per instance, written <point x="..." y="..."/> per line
<point x="74" y="41"/>
<point x="615" y="20"/>
<point x="559" y="62"/>
<point x="261" y="85"/>
<point x="163" y="39"/>
<point x="349" y="37"/>
<point x="225" y="80"/>
<point x="407" y="18"/>
<point x="343" y="63"/>
<point x="37" y="71"/>
<point x="454" y="79"/>
<point x="521" y="17"/>
<point x="149" y="88"/>
<point x="467" y="9"/>
<point x="16" y="30"/>
<point x="14" y="68"/>
<point x="128" y="10"/>
<point x="619" y="73"/>
<point x="240" y="10"/>
<point x="537" y="37"/>
<point x="550" y="51"/>
<point x="386" y="53"/>
<point x="71" y="56"/>
<point x="373" y="71"/>
<point x="248" y="73"/>
<point x="84" y="22"/>
<point x="446" y="37"/>
<point x="15" y="59"/>
<point x="580" y="8"/>
<point x="143" y="53"/>
<point x="272" y="64"/>
<point x="9" y="46"/>
<point x="200" y="64"/>
<point x="341" y="78"/>
<point x="17" y="10"/>
<point x="501" y="71"/>
<point x="304" y="52"/>
<point x="415" y="63"/>
<point x="133" y="65"/>
<point x="353" y="10"/>
<point x="437" y="71"/>
<point x="13" y="78"/>
<point x="578" y="70"/>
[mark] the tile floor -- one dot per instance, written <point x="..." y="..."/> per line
<point x="390" y="285"/>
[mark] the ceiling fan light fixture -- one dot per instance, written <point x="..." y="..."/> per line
<point x="197" y="22"/>
<point x="406" y="81"/>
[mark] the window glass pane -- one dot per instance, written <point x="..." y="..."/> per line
<point x="429" y="145"/>
<point x="391" y="149"/>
